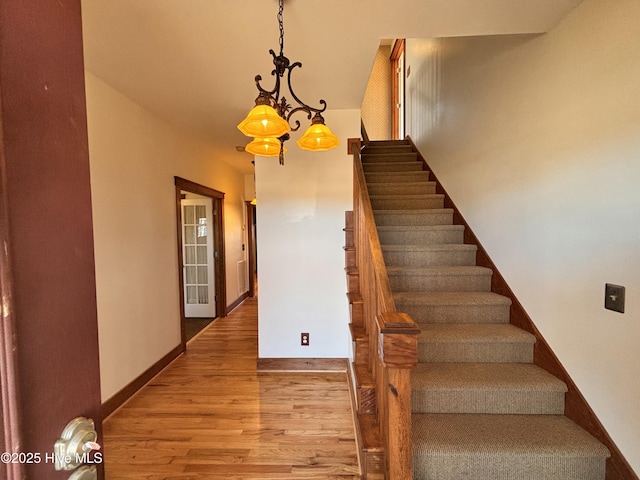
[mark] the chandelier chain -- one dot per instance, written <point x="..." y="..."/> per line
<point x="281" y="24"/>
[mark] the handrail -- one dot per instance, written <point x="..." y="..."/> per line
<point x="391" y="336"/>
<point x="386" y="297"/>
<point x="363" y="131"/>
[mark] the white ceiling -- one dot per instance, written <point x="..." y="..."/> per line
<point x="193" y="62"/>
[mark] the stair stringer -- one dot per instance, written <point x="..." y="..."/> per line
<point x="362" y="387"/>
<point x="576" y="406"/>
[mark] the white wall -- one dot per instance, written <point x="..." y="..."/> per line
<point x="537" y="139"/>
<point x="300" y="217"/>
<point x="134" y="157"/>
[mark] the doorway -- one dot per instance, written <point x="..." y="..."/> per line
<point x="397" y="86"/>
<point x="197" y="257"/>
<point x="253" y="254"/>
<point x="201" y="264"/>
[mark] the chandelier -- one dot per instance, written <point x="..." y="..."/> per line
<point x="269" y="121"/>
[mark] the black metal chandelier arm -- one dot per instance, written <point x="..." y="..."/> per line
<point x="270" y="93"/>
<point x="300" y="102"/>
<point x="306" y="110"/>
<point x="297" y="122"/>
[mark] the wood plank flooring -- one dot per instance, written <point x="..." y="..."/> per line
<point x="211" y="415"/>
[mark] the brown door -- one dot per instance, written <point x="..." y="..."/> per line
<point x="46" y="218"/>
<point x="251" y="247"/>
<point x="397" y="90"/>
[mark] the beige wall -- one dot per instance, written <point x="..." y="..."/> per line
<point x="300" y="211"/>
<point x="376" y="105"/>
<point x="537" y="139"/>
<point x="134" y="157"/>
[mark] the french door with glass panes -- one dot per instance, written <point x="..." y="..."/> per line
<point x="198" y="257"/>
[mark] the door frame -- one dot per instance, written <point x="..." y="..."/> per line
<point x="251" y="247"/>
<point x="396" y="53"/>
<point x="219" y="264"/>
<point x="10" y="440"/>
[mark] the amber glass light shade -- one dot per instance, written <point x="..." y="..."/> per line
<point x="318" y="137"/>
<point x="264" y="121"/>
<point x="266" y="147"/>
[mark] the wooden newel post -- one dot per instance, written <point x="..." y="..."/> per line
<point x="398" y="354"/>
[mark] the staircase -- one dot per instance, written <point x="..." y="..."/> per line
<point x="481" y="409"/>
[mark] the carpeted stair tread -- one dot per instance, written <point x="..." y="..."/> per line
<point x="444" y="270"/>
<point x="418" y="217"/>
<point x="473" y="333"/>
<point x="405" y="196"/>
<point x="384" y="143"/>
<point x="440" y="278"/>
<point x="451" y="298"/>
<point x="421" y="234"/>
<point x="392" y="167"/>
<point x="396" y="177"/>
<point x="407" y="202"/>
<point x="493" y="342"/>
<point x="408" y="182"/>
<point x="453" y="307"/>
<point x="504" y="447"/>
<point x="402" y="188"/>
<point x="373" y="157"/>
<point x="429" y="255"/>
<point x="430" y="248"/>
<point x="375" y="149"/>
<point x="484" y="376"/>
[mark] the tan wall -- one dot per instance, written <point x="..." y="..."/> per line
<point x="134" y="157"/>
<point x="376" y="105"/>
<point x="537" y="140"/>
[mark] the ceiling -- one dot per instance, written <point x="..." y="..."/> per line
<point x="193" y="62"/>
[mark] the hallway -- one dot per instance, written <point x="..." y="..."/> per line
<point x="211" y="415"/>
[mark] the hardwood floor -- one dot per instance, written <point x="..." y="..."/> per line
<point x="211" y="415"/>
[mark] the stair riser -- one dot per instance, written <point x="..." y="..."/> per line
<point x="382" y="203"/>
<point x="499" y="467"/>
<point x="488" y="352"/>
<point x="421" y="237"/>
<point x="524" y="402"/>
<point x="368" y="158"/>
<point x="388" y="149"/>
<point x="387" y="143"/>
<point x="393" y="167"/>
<point x="395" y="177"/>
<point x="423" y="188"/>
<point x="413" y="219"/>
<point x="440" y="283"/>
<point x="430" y="259"/>
<point x="456" y="313"/>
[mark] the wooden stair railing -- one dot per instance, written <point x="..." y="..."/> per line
<point x="385" y="340"/>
